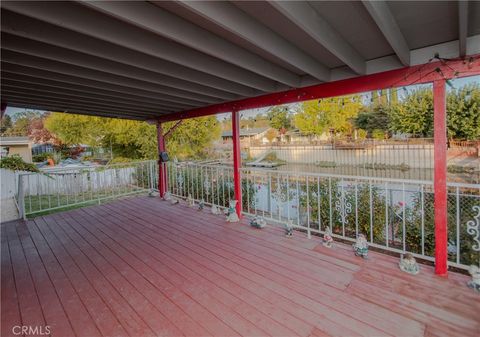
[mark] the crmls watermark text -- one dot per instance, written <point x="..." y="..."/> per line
<point x="28" y="330"/>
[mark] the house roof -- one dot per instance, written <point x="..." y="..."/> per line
<point x="14" y="141"/>
<point x="246" y="132"/>
<point x="147" y="60"/>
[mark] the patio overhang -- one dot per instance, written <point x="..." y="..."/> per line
<point x="172" y="60"/>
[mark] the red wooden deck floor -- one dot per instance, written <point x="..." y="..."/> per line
<point x="142" y="267"/>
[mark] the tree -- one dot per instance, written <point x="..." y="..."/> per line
<point x="194" y="137"/>
<point x="5" y="123"/>
<point x="134" y="139"/>
<point x="317" y="117"/>
<point x="74" y="129"/>
<point x="129" y="139"/>
<point x="39" y="134"/>
<point x="373" y="117"/>
<point x="463" y="112"/>
<point x="279" y="117"/>
<point x="271" y="134"/>
<point x="22" y="121"/>
<point x="257" y="121"/>
<point x="415" y="114"/>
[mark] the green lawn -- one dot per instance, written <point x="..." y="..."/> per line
<point x="36" y="205"/>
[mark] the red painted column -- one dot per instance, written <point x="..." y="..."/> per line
<point x="237" y="161"/>
<point x="440" y="176"/>
<point x="162" y="170"/>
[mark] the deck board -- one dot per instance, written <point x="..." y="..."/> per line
<point x="142" y="267"/>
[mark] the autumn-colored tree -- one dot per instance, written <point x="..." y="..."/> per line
<point x="271" y="134"/>
<point x="39" y="134"/>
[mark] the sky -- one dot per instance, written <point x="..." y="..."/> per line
<point x="457" y="83"/>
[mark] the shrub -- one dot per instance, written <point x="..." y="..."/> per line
<point x="16" y="163"/>
<point x="118" y="160"/>
<point x="38" y="158"/>
<point x="378" y="134"/>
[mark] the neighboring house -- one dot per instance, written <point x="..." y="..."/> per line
<point x="42" y="148"/>
<point x="247" y="135"/>
<point x="295" y="136"/>
<point x="16" y="145"/>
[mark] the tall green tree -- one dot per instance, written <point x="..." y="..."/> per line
<point x="280" y="118"/>
<point x="194" y="137"/>
<point x="414" y="115"/>
<point x="318" y="117"/>
<point x="463" y="112"/>
<point x="74" y="129"/>
<point x="373" y="117"/>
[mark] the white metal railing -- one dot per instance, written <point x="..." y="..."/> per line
<point x="66" y="187"/>
<point x="394" y="214"/>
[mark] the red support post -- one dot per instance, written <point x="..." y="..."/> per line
<point x="162" y="170"/>
<point x="440" y="176"/>
<point x="237" y="161"/>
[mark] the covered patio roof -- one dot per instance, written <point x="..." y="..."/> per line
<point x="166" y="60"/>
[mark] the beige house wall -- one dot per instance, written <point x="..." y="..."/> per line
<point x="24" y="151"/>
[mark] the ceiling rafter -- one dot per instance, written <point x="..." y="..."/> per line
<point x="462" y="27"/>
<point x="310" y="21"/>
<point x="57" y="108"/>
<point x="88" y="85"/>
<point x="34" y="29"/>
<point x="68" y="106"/>
<point x="164" y="23"/>
<point x="383" y="17"/>
<point x="73" y="70"/>
<point x="241" y="24"/>
<point x="163" y="83"/>
<point x="9" y="84"/>
<point x="96" y="24"/>
<point x="56" y="86"/>
<point x="30" y="94"/>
